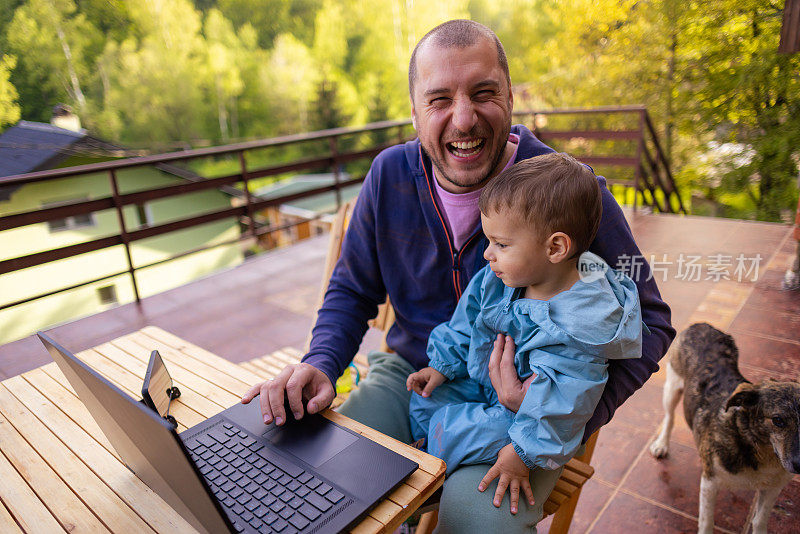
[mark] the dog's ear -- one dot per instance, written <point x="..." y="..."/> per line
<point x="745" y="395"/>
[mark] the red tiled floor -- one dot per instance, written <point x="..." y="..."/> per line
<point x="594" y="497"/>
<point x="785" y="516"/>
<point x="643" y="409"/>
<point x="626" y="514"/>
<point x="775" y="356"/>
<point x="618" y="446"/>
<point x="767" y="322"/>
<point x="768" y="295"/>
<point x="683" y="298"/>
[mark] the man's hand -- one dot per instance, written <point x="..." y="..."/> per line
<point x="301" y="382"/>
<point x="503" y="374"/>
<point x="424" y="381"/>
<point x="513" y="473"/>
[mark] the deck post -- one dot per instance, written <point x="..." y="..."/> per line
<point x="638" y="171"/>
<point x="247" y="195"/>
<point x="335" y="164"/>
<point x="123" y="232"/>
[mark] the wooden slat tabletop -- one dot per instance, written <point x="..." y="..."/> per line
<point x="60" y="474"/>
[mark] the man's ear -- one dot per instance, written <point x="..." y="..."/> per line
<point x="558" y="247"/>
<point x="745" y="395"/>
<point x="413" y="115"/>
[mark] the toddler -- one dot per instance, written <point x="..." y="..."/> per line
<point x="566" y="312"/>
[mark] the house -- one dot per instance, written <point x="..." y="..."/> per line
<point x="31" y="146"/>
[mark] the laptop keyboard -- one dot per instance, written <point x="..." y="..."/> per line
<point x="254" y="491"/>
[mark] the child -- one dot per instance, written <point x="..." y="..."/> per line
<point x="566" y="312"/>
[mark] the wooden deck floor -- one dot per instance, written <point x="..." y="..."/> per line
<point x="268" y="303"/>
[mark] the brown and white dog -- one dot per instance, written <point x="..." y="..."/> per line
<point x="747" y="435"/>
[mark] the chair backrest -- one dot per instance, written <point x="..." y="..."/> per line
<point x="385" y="318"/>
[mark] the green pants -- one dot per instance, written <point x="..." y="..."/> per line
<point x="381" y="402"/>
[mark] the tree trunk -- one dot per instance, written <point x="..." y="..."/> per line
<point x="234" y="117"/>
<point x="669" y="122"/>
<point x="222" y="113"/>
<point x="73" y="76"/>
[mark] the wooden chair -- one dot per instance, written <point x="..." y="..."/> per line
<point x="385" y="316"/>
<point x="562" y="501"/>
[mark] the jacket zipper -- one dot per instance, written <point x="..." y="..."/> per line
<point x="454" y="254"/>
<point x="457" y="263"/>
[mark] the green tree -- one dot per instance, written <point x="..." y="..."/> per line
<point x="7" y="8"/>
<point x="226" y="52"/>
<point x="736" y="86"/>
<point x="273" y="17"/>
<point x="9" y="109"/>
<point x="50" y="39"/>
<point x="152" y="93"/>
<point x="287" y="81"/>
<point x="110" y="17"/>
<point x="707" y="71"/>
<point x="327" y="110"/>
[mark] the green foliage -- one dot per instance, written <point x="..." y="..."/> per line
<point x="151" y="89"/>
<point x="709" y="74"/>
<point x="739" y="88"/>
<point x="271" y="17"/>
<point x="171" y="73"/>
<point x="54" y="45"/>
<point x="9" y="109"/>
<point x="7" y="8"/>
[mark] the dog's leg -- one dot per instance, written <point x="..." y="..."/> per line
<point x="765" y="500"/>
<point x="708" y="500"/>
<point x="673" y="389"/>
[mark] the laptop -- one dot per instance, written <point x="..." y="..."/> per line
<point x="233" y="473"/>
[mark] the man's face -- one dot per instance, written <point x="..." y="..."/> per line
<point x="462" y="112"/>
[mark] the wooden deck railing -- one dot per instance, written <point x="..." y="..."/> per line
<point x="652" y="181"/>
<point x="656" y="185"/>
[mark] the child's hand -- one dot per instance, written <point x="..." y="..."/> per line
<point x="513" y="473"/>
<point x="424" y="381"/>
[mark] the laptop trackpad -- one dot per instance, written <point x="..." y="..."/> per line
<point x="315" y="441"/>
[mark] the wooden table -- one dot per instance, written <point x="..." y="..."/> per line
<point x="59" y="473"/>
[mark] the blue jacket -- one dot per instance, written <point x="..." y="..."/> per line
<point x="398" y="244"/>
<point x="566" y="341"/>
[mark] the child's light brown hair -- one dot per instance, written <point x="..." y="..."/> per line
<point x="552" y="193"/>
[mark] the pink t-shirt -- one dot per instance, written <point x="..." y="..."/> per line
<point x="460" y="210"/>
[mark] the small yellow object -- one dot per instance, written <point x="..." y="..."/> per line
<point x="349" y="378"/>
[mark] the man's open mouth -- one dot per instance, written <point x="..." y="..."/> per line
<point x="465" y="149"/>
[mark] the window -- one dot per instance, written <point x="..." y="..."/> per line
<point x="107" y="294"/>
<point x="69" y="223"/>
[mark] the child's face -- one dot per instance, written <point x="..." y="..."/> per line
<point x="517" y="254"/>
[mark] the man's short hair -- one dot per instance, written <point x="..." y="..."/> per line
<point x="458" y="33"/>
<point x="552" y="193"/>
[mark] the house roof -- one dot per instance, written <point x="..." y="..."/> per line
<point x="33" y="146"/>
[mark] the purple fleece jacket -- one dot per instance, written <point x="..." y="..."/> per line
<point x="397" y="244"/>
